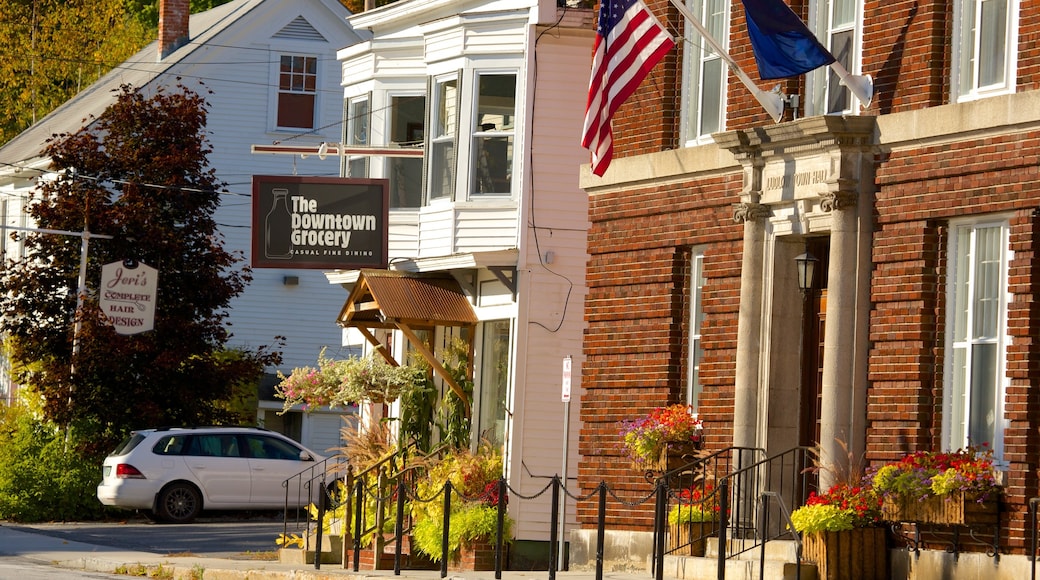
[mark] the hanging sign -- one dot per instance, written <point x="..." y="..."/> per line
<point x="127" y="296"/>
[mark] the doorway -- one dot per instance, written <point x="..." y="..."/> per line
<point x="814" y="324"/>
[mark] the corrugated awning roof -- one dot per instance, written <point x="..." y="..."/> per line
<point x="383" y="299"/>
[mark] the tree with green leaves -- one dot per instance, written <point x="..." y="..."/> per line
<point x="50" y="50"/>
<point x="139" y="174"/>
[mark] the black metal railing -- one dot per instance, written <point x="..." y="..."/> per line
<point x="786" y="475"/>
<point x="692" y="505"/>
<point x="744" y="491"/>
<point x="314" y="486"/>
<point x="1034" y="505"/>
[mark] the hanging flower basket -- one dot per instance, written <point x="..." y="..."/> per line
<point x="666" y="432"/>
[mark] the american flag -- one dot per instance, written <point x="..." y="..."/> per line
<point x="629" y="42"/>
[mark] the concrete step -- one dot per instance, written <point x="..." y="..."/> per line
<point x="780" y="563"/>
<point x="694" y="568"/>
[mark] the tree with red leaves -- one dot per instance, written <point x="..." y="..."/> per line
<point x="139" y="174"/>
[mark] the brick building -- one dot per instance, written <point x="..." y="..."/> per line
<point x="923" y="210"/>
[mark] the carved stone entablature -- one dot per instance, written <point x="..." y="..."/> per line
<point x="836" y="200"/>
<point x="743" y="212"/>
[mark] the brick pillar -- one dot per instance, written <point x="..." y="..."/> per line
<point x="173" y="25"/>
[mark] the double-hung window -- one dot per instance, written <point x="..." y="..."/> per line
<point x="297" y="91"/>
<point x="443" y="127"/>
<point x="357" y="133"/>
<point x="836" y="28"/>
<point x="986" y="46"/>
<point x="704" y="72"/>
<point x="493" y="127"/>
<point x="973" y="409"/>
<point x="407" y="114"/>
<point x="694" y="347"/>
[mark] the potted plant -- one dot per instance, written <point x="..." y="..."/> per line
<point x="342" y="382"/>
<point x="952" y="488"/>
<point x="473" y="521"/>
<point x="649" y="440"/>
<point x="841" y="533"/>
<point x="692" y="519"/>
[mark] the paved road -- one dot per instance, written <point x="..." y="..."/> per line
<point x="218" y="537"/>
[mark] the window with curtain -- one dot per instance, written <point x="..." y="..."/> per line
<point x="694" y="348"/>
<point x="704" y="72"/>
<point x="985" y="41"/>
<point x="836" y="27"/>
<point x="297" y="91"/>
<point x="974" y="383"/>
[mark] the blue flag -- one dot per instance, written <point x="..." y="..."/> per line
<point x="783" y="45"/>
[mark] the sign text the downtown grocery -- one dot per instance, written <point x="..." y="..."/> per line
<point x="319" y="222"/>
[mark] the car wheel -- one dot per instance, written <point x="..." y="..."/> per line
<point x="179" y="503"/>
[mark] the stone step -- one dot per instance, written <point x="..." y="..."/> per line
<point x="694" y="568"/>
<point x="780" y="562"/>
<point x="785" y="550"/>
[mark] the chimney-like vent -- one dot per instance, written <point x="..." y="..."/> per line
<point x="173" y="25"/>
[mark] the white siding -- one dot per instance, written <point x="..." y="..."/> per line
<point x="552" y="295"/>
<point x="239" y="69"/>
<point x="485" y="226"/>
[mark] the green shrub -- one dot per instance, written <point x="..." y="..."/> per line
<point x="43" y="477"/>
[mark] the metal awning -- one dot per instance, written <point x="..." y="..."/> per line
<point x="405" y="300"/>
<point x="384" y="298"/>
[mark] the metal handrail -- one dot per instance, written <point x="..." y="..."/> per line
<point x="696" y="475"/>
<point x="305" y="488"/>
<point x="1034" y="503"/>
<point x="785" y="474"/>
<point x="788" y="525"/>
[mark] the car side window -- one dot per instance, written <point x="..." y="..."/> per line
<point x="171" y="445"/>
<point x="214" y="446"/>
<point x="264" y="447"/>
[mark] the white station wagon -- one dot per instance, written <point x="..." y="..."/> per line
<point x="174" y="473"/>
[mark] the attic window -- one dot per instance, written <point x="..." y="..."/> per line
<point x="297" y="89"/>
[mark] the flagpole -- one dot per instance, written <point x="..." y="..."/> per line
<point x="771" y="101"/>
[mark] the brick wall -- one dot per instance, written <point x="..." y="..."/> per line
<point x="919" y="192"/>
<point x="637" y="314"/>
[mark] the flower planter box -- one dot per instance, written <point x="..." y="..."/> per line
<point x="689" y="539"/>
<point x="857" y="554"/>
<point x="954" y="509"/>
<point x="477" y="556"/>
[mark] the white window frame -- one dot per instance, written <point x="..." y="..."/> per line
<point x="697" y="54"/>
<point x="694" y="350"/>
<point x="822" y="81"/>
<point x="358" y="131"/>
<point x="277" y="93"/>
<point x="477" y="135"/>
<point x="388" y="162"/>
<point x="437" y="139"/>
<point x="965" y="82"/>
<point x="957" y="389"/>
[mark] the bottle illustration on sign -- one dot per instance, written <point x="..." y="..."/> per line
<point x="278" y="227"/>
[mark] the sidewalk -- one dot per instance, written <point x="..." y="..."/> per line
<point x="80" y="556"/>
